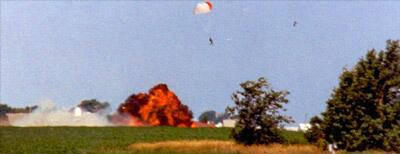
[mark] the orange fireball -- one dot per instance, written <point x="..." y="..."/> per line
<point x="160" y="107"/>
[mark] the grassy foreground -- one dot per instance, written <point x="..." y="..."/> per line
<point x="220" y="147"/>
<point x="108" y="139"/>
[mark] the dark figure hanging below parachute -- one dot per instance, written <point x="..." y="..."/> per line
<point x="203" y="8"/>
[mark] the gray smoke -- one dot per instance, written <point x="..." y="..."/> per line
<point x="48" y="115"/>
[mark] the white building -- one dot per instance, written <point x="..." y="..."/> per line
<point x="229" y="123"/>
<point x="301" y="127"/>
<point x="304" y="126"/>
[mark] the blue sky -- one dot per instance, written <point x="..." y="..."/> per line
<point x="67" y="51"/>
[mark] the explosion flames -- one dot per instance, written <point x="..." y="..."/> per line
<point x="158" y="107"/>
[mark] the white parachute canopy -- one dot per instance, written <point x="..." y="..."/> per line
<point x="203" y="7"/>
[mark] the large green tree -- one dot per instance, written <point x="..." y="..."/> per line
<point x="364" y="110"/>
<point x="257" y="107"/>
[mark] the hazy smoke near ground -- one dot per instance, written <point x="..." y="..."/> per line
<point x="48" y="115"/>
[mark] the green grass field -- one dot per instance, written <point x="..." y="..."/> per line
<point x="105" y="139"/>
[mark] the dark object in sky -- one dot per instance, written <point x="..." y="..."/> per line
<point x="211" y="41"/>
<point x="294" y="23"/>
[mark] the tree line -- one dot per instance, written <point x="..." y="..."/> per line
<point x="4" y="108"/>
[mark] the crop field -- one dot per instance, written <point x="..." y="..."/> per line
<point x="122" y="140"/>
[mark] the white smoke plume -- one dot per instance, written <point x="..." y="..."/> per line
<point x="48" y="115"/>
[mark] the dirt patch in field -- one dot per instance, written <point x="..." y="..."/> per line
<point x="211" y="146"/>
